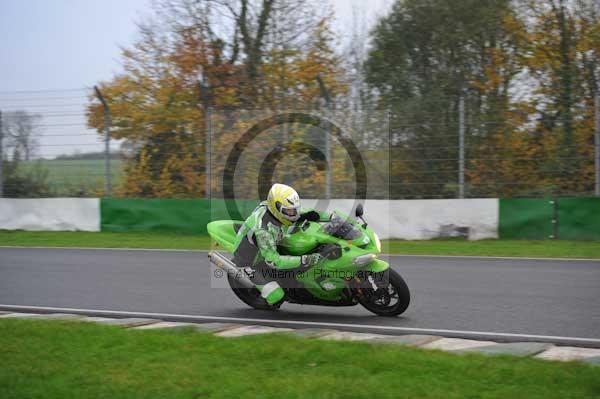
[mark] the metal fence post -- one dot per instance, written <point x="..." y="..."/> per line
<point x="208" y="123"/>
<point x="107" y="123"/>
<point x="555" y="221"/>
<point x="327" y="98"/>
<point x="1" y="158"/>
<point x="205" y="97"/>
<point x="597" y="142"/>
<point x="461" y="146"/>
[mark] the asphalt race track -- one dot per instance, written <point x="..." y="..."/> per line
<point x="507" y="296"/>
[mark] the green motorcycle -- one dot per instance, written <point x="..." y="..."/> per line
<point x="349" y="274"/>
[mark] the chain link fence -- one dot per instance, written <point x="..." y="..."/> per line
<point x="48" y="150"/>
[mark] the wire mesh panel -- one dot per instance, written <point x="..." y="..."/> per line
<point x="321" y="154"/>
<point x="53" y="146"/>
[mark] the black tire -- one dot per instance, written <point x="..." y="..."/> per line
<point x="403" y="295"/>
<point x="251" y="297"/>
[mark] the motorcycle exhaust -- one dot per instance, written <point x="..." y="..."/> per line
<point x="232" y="270"/>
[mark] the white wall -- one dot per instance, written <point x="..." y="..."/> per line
<point x="50" y="214"/>
<point x="424" y="219"/>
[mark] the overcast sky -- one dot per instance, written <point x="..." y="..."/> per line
<point x="73" y="44"/>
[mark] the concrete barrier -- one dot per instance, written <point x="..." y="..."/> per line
<point x="50" y="214"/>
<point x="474" y="219"/>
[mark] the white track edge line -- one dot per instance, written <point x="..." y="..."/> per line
<point x="309" y="323"/>
<point x="390" y="255"/>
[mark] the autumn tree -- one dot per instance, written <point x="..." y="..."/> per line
<point x="564" y="60"/>
<point x="289" y="75"/>
<point x="193" y="54"/>
<point x="426" y="56"/>
<point x="548" y="147"/>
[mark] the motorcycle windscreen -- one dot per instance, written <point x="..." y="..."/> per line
<point x="339" y="227"/>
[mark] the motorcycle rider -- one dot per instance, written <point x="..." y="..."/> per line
<point x="257" y="240"/>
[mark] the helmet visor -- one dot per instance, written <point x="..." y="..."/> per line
<point x="289" y="211"/>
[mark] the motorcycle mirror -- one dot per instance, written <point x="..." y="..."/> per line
<point x="359" y="210"/>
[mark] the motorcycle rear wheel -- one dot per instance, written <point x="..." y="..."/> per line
<point x="380" y="304"/>
<point x="251" y="296"/>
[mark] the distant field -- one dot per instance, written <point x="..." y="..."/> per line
<point x="69" y="177"/>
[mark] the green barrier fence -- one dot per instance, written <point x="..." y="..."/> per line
<point x="562" y="218"/>
<point x="166" y="215"/>
<point x="579" y="218"/>
<point x="526" y="219"/>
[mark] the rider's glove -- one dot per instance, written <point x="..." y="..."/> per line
<point x="310" y="260"/>
<point x="311" y="216"/>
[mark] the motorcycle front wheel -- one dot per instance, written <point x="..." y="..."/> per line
<point x="388" y="300"/>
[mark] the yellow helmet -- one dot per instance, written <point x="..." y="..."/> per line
<point x="284" y="203"/>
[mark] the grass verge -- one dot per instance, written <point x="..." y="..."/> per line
<point x="516" y="248"/>
<point x="524" y="248"/>
<point x="65" y="359"/>
<point x="88" y="239"/>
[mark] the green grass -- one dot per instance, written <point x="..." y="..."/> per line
<point x="524" y="248"/>
<point x="69" y="176"/>
<point x="103" y="240"/>
<point x="79" y="360"/>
